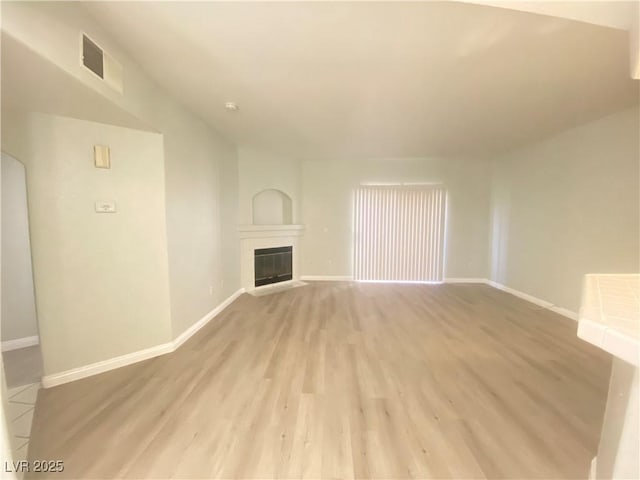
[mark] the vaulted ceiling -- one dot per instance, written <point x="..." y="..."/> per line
<point x="335" y="79"/>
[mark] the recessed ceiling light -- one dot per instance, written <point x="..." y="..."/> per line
<point x="232" y="106"/>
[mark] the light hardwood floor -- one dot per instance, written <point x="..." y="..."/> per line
<point x="343" y="380"/>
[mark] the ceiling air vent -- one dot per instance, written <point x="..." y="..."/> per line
<point x="101" y="63"/>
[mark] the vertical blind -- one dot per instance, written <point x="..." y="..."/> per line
<point x="399" y="233"/>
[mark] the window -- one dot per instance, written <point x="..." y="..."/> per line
<point x="399" y="233"/>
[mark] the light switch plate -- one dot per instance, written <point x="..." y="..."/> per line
<point x="106" y="207"/>
<point x="102" y="156"/>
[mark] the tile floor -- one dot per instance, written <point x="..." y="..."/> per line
<point x="22" y="401"/>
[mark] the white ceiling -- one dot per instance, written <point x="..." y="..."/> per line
<point x="30" y="82"/>
<point x="616" y="14"/>
<point x="318" y="80"/>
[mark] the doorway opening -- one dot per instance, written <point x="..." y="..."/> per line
<point x="21" y="354"/>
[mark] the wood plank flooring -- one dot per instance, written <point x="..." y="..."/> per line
<point x="344" y="380"/>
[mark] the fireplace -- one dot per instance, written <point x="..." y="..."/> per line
<point x="273" y="265"/>
<point x="261" y="239"/>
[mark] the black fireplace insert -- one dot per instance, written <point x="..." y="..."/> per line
<point x="273" y="265"/>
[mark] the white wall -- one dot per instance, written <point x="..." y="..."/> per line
<point x="194" y="159"/>
<point x="272" y="207"/>
<point x="5" y="437"/>
<point x="567" y="206"/>
<point x="327" y="209"/>
<point x="194" y="155"/>
<point x="18" y="302"/>
<point x="257" y="171"/>
<point x="101" y="280"/>
<point x="230" y="244"/>
<point x="53" y="30"/>
<point x="6" y="453"/>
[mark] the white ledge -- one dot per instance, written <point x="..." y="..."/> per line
<point x="266" y="231"/>
<point x="610" y="314"/>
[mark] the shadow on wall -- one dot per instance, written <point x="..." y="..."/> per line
<point x="19" y="325"/>
<point x="499" y="231"/>
<point x="272" y="207"/>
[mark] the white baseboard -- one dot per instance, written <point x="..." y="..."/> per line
<point x="565" y="312"/>
<point x="592" y="468"/>
<point x="535" y="300"/>
<point x="17" y="343"/>
<point x="193" y="329"/>
<point x="523" y="295"/>
<point x="140" y="355"/>
<point x="105" y="365"/>
<point x="465" y="280"/>
<point x="327" y="278"/>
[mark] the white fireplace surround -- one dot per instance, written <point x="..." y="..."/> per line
<point x="253" y="237"/>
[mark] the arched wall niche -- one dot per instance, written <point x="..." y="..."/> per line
<point x="272" y="207"/>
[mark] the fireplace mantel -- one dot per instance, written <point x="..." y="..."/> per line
<point x="254" y="237"/>
<point x="265" y="231"/>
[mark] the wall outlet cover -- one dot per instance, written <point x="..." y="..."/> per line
<point x="106" y="206"/>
